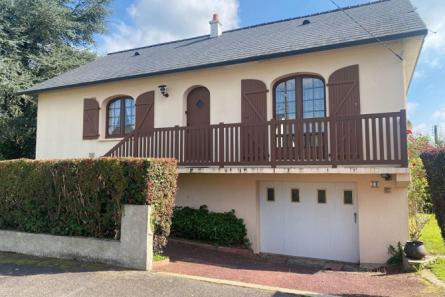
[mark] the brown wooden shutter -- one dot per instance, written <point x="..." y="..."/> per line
<point x="253" y="101"/>
<point x="145" y="114"/>
<point x="344" y="92"/>
<point x="254" y="114"/>
<point x="344" y="100"/>
<point x="90" y="118"/>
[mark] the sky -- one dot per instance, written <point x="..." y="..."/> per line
<point x="136" y="23"/>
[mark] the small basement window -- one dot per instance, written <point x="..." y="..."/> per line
<point x="347" y="197"/>
<point x="270" y="194"/>
<point x="321" y="196"/>
<point x="295" y="195"/>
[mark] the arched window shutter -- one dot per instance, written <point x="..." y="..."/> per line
<point x="344" y="92"/>
<point x="253" y="101"/>
<point x="145" y="120"/>
<point x="90" y="118"/>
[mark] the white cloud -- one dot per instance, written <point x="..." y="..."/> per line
<point x="154" y="21"/>
<point x="432" y="12"/>
<point x="439" y="114"/>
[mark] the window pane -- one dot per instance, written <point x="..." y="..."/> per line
<point x="295" y="195"/>
<point x="270" y="194"/>
<point x="130" y="117"/>
<point x="285" y="105"/>
<point x="114" y="110"/>
<point x="313" y="98"/>
<point x="347" y="197"/>
<point x="321" y="196"/>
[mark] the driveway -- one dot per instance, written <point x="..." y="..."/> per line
<point x="36" y="277"/>
<point x="199" y="261"/>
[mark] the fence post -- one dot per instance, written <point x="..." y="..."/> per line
<point x="273" y="143"/>
<point x="176" y="131"/>
<point x="221" y="144"/>
<point x="135" y="144"/>
<point x="403" y="139"/>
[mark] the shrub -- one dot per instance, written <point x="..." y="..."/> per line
<point x="84" y="197"/>
<point x="201" y="224"/>
<point x="434" y="162"/>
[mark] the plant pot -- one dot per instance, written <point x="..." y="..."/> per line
<point x="415" y="250"/>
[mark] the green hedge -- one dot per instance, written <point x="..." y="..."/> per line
<point x="434" y="162"/>
<point x="84" y="197"/>
<point x="201" y="224"/>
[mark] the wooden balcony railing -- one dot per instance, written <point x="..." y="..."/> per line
<point x="367" y="139"/>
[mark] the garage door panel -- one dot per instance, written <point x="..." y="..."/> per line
<point x="308" y="228"/>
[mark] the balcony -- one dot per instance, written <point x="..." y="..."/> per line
<point x="367" y="139"/>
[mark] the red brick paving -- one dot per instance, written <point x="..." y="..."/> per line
<point x="198" y="261"/>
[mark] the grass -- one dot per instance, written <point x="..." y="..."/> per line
<point x="434" y="245"/>
<point x="438" y="268"/>
<point x="432" y="238"/>
<point x="157" y="258"/>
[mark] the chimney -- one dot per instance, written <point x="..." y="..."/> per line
<point x="215" y="26"/>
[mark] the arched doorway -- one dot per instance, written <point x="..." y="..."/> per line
<point x="198" y="107"/>
<point x="199" y="135"/>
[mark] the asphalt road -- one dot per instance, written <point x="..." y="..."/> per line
<point x="37" y="278"/>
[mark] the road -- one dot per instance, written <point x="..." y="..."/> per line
<point x="33" y="277"/>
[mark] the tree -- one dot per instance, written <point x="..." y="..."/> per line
<point x="39" y="39"/>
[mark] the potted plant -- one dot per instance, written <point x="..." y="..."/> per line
<point x="414" y="249"/>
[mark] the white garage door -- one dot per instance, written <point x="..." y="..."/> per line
<point x="313" y="220"/>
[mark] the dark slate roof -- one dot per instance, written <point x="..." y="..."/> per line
<point x="386" y="19"/>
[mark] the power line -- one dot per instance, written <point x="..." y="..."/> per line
<point x="367" y="31"/>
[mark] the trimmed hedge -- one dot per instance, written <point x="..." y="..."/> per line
<point x="434" y="162"/>
<point x="201" y="224"/>
<point x="84" y="197"/>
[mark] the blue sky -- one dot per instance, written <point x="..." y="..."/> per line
<point x="141" y="22"/>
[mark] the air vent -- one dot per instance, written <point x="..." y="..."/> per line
<point x="136" y="54"/>
<point x="306" y="22"/>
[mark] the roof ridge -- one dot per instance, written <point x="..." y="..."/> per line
<point x="253" y="26"/>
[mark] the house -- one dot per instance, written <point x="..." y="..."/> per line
<point x="299" y="125"/>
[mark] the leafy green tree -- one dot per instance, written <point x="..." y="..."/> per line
<point x="39" y="39"/>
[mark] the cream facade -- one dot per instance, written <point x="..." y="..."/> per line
<point x="384" y="80"/>
<point x="381" y="214"/>
<point x="382" y="217"/>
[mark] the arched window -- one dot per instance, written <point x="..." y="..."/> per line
<point x="120" y="116"/>
<point x="299" y="97"/>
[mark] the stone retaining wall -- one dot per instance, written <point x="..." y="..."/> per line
<point x="133" y="250"/>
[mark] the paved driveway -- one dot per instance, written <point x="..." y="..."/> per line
<point x="192" y="260"/>
<point x="29" y="276"/>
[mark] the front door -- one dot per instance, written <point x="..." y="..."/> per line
<point x="198" y="141"/>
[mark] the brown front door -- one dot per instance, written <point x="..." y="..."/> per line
<point x="254" y="134"/>
<point x="198" y="144"/>
<point x="344" y="101"/>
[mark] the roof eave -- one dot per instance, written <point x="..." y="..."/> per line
<point x="239" y="61"/>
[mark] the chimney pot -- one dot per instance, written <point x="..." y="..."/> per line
<point x="215" y="26"/>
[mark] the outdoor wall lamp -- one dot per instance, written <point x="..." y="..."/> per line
<point x="164" y="90"/>
<point x="386" y="176"/>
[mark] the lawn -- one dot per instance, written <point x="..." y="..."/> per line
<point x="431" y="237"/>
<point x="438" y="268"/>
<point x="434" y="244"/>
